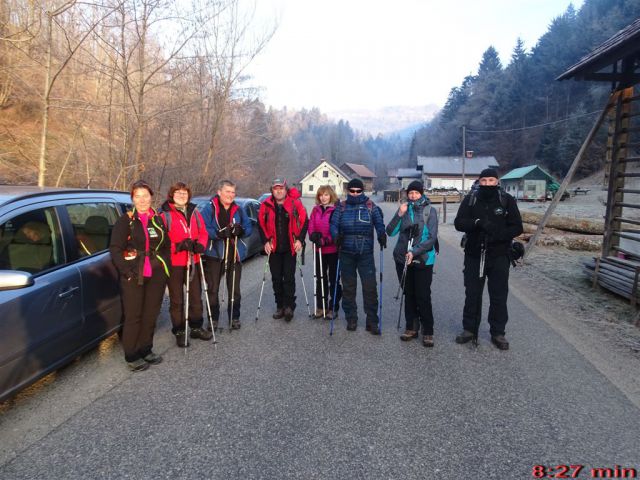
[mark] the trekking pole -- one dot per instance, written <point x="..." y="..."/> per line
<point x="315" y="282"/>
<point x="264" y="277"/>
<point x="324" y="312"/>
<point x="186" y="303"/>
<point x="380" y="294"/>
<point x="233" y="279"/>
<point x="335" y="294"/>
<point x="404" y="273"/>
<point x="304" y="288"/>
<point x="483" y="253"/>
<point x="206" y="299"/>
<point x="226" y="262"/>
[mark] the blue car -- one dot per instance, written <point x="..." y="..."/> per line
<point x="59" y="291"/>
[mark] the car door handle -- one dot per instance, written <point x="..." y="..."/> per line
<point x="68" y="293"/>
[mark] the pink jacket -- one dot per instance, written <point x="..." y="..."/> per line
<point x="319" y="222"/>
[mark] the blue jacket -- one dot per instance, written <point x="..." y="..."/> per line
<point x="354" y="220"/>
<point x="215" y="246"/>
<point x="424" y="234"/>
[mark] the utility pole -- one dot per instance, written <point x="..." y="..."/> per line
<point x="464" y="152"/>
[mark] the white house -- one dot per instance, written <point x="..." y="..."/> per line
<point x="446" y="172"/>
<point x="326" y="173"/>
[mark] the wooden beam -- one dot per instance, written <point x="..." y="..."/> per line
<point x="569" y="176"/>
<point x="612" y="77"/>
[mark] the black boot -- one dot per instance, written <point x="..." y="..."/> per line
<point x="500" y="342"/>
<point x="201" y="333"/>
<point x="181" y="339"/>
<point x="279" y="314"/>
<point x="465" y="336"/>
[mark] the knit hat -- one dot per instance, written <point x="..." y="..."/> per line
<point x="355" y="183"/>
<point x="489" y="172"/>
<point x="416" y="186"/>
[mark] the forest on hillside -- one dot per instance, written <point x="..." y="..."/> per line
<point x="99" y="94"/>
<point x="519" y="113"/>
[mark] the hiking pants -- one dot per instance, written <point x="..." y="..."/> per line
<point x="283" y="277"/>
<point x="329" y="273"/>
<point x="363" y="264"/>
<point x="497" y="275"/>
<point x="417" y="297"/>
<point x="141" y="307"/>
<point x="214" y="271"/>
<point x="176" y="297"/>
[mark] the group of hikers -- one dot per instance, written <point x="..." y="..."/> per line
<point x="188" y="251"/>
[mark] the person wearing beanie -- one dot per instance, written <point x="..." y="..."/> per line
<point x="351" y="226"/>
<point x="416" y="224"/>
<point x="490" y="219"/>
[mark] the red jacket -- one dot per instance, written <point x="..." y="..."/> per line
<point x="181" y="228"/>
<point x="297" y="219"/>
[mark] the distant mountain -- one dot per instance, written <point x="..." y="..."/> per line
<point x="401" y="120"/>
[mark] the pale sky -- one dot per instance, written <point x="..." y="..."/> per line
<point x="346" y="54"/>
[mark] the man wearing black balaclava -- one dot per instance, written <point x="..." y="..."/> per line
<point x="491" y="220"/>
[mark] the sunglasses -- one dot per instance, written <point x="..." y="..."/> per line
<point x="355" y="190"/>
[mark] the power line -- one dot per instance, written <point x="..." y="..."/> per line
<point x="533" y="126"/>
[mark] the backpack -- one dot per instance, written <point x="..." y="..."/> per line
<point x="502" y="197"/>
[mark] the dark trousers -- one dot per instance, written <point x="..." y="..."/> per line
<point x="141" y="305"/>
<point x="176" y="285"/>
<point x="214" y="270"/>
<point x="417" y="297"/>
<point x="283" y="278"/>
<point x="363" y="264"/>
<point x="329" y="277"/>
<point x="497" y="275"/>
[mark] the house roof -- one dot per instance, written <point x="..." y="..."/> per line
<point x="453" y="165"/>
<point x="520" y="172"/>
<point x="625" y="44"/>
<point x="408" y="173"/>
<point x="360" y="170"/>
<point x="337" y="169"/>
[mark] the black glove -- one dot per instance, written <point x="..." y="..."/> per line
<point x="338" y="241"/>
<point x="198" y="247"/>
<point x="225" y="232"/>
<point x="185" y="245"/>
<point x="412" y="230"/>
<point x="382" y="240"/>
<point x="316" y="237"/>
<point x="237" y="230"/>
<point x="486" y="226"/>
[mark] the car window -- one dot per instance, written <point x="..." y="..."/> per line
<point x="250" y="209"/>
<point x="92" y="224"/>
<point x="31" y="242"/>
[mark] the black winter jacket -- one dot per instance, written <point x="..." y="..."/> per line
<point x="506" y="224"/>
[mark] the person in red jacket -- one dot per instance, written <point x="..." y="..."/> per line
<point x="188" y="237"/>
<point x="283" y="227"/>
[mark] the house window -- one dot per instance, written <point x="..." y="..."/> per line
<point x="325" y="174"/>
<point x="310" y="188"/>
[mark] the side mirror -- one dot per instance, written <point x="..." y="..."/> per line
<point x="14" y="279"/>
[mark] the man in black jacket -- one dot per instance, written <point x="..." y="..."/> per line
<point x="491" y="220"/>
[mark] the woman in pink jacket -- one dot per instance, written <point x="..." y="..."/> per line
<point x="319" y="234"/>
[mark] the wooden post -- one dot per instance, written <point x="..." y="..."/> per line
<point x="569" y="176"/>
<point x="444" y="209"/>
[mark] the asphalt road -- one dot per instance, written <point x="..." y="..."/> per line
<point x="278" y="400"/>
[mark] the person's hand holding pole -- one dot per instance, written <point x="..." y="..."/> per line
<point x="268" y="247"/>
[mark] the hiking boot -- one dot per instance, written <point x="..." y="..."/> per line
<point x="427" y="341"/>
<point x="465" y="336"/>
<point x="374" y="330"/>
<point x="201" y="333"/>
<point x="368" y="327"/>
<point x="288" y="314"/>
<point x="137" y="365"/>
<point x="500" y="342"/>
<point x="279" y="314"/>
<point x="319" y="314"/>
<point x="215" y="326"/>
<point x="152" y="359"/>
<point x="235" y="324"/>
<point x="181" y="339"/>
<point x="408" y="335"/>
